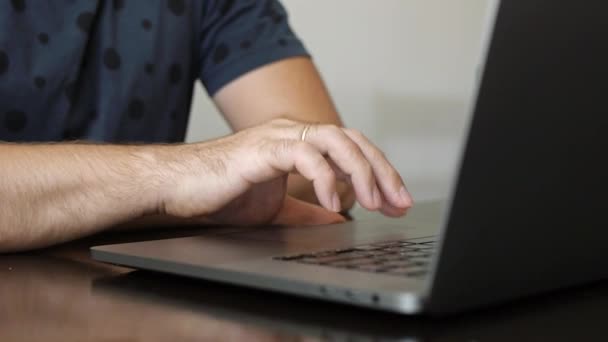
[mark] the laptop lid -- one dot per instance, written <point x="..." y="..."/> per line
<point x="529" y="204"/>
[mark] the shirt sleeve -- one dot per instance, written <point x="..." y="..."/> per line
<point x="238" y="36"/>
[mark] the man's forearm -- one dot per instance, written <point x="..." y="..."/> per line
<point x="57" y="192"/>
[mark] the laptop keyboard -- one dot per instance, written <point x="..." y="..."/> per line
<point x="407" y="258"/>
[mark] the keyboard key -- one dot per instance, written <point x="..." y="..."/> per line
<point x="360" y="262"/>
<point x="385" y="244"/>
<point x="337" y="257"/>
<point x="323" y="254"/>
<point x="370" y="267"/>
<point x="416" y="254"/>
<point x="308" y="260"/>
<point x="407" y="243"/>
<point x="424" y="247"/>
<point x="342" y="264"/>
<point x="346" y="250"/>
<point x="391" y="257"/>
<point x="367" y="248"/>
<point x="402" y="249"/>
<point x="399" y="264"/>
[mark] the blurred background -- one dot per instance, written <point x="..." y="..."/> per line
<point x="401" y="71"/>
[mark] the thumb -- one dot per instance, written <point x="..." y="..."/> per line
<point x="298" y="212"/>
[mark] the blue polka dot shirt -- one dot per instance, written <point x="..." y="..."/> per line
<point x="123" y="71"/>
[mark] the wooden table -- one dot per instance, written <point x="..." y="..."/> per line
<point x="60" y="294"/>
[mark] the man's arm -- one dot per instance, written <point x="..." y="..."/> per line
<point x="51" y="193"/>
<point x="289" y="88"/>
<point x="57" y="192"/>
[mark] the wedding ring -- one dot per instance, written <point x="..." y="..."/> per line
<point x="305" y="132"/>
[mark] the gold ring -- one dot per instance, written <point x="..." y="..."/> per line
<point x="304" y="132"/>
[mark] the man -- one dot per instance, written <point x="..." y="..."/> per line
<point x="120" y="74"/>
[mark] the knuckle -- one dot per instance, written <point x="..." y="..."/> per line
<point x="333" y="130"/>
<point x="377" y="154"/>
<point x="354" y="132"/>
<point x="352" y="152"/>
<point x="279" y="148"/>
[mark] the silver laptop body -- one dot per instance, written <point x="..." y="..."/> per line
<point x="527" y="209"/>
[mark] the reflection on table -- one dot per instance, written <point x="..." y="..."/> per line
<point x="46" y="297"/>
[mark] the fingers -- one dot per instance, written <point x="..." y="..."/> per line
<point x="377" y="185"/>
<point x="392" y="211"/>
<point x="388" y="179"/>
<point x="372" y="175"/>
<point x="289" y="155"/>
<point x="349" y="158"/>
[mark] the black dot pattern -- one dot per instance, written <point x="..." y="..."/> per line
<point x="226" y="6"/>
<point x="15" y="121"/>
<point x="18" y="5"/>
<point x="177" y="7"/>
<point x="245" y="44"/>
<point x="85" y="21"/>
<point x="4" y="62"/>
<point x="173" y="115"/>
<point x="146" y="24"/>
<point x="175" y="73"/>
<point x="149" y="68"/>
<point x="271" y="11"/>
<point x="136" y="109"/>
<point x="282" y="42"/>
<point x="118" y="4"/>
<point x="40" y="82"/>
<point x="111" y="59"/>
<point x="221" y="52"/>
<point x="43" y="38"/>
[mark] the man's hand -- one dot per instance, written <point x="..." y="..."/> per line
<point x="51" y="193"/>
<point x="290" y="88"/>
<point x="241" y="179"/>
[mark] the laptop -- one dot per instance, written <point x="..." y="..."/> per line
<point x="527" y="210"/>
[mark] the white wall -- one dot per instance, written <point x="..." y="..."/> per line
<point x="402" y="71"/>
